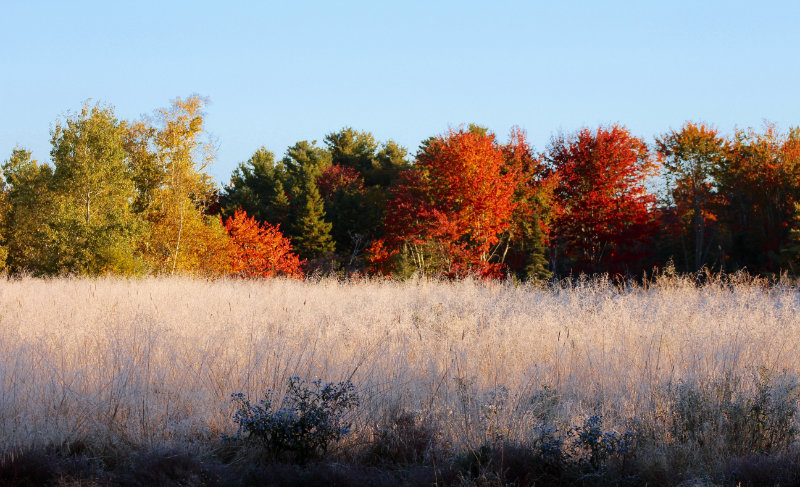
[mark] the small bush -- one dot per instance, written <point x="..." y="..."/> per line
<point x="600" y="445"/>
<point x="309" y="421"/>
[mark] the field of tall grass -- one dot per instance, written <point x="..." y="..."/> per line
<point x="465" y="382"/>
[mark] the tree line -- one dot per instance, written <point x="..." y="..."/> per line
<point x="135" y="197"/>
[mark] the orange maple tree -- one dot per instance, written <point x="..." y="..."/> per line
<point x="260" y="250"/>
<point x="448" y="211"/>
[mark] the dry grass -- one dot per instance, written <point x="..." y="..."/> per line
<point x="121" y="364"/>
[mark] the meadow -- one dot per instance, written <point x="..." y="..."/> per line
<point x="465" y="382"/>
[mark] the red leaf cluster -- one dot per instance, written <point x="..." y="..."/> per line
<point x="260" y="250"/>
<point x="339" y="178"/>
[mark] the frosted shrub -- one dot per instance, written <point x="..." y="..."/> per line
<point x="598" y="444"/>
<point x="310" y="419"/>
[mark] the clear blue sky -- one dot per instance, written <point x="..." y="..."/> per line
<point x="278" y="73"/>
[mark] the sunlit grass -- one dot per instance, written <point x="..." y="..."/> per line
<point x="119" y="364"/>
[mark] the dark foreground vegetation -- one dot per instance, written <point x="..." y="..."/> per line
<point x="409" y="461"/>
<point x="712" y="435"/>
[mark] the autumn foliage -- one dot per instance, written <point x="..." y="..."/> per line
<point x="604" y="221"/>
<point x="135" y="197"/>
<point x="260" y="249"/>
<point x="760" y="184"/>
<point x="528" y="234"/>
<point x="690" y="157"/>
<point x="447" y="213"/>
<point x="338" y="178"/>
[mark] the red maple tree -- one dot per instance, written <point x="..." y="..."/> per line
<point x="260" y="250"/>
<point x="605" y="221"/>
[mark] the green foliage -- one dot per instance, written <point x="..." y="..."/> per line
<point x="302" y="160"/>
<point x="28" y="204"/>
<point x="537" y="267"/>
<point x="309" y="420"/>
<point x="148" y="173"/>
<point x="311" y="232"/>
<point x="308" y="227"/>
<point x="357" y="213"/>
<point x="360" y="151"/>
<point x="93" y="227"/>
<point x="75" y="217"/>
<point x="353" y="149"/>
<point x="257" y="187"/>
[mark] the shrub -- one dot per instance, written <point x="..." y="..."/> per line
<point x="308" y="421"/>
<point x="600" y="445"/>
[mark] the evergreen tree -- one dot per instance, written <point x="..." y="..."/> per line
<point x="303" y="159"/>
<point x="379" y="165"/>
<point x="353" y="149"/>
<point x="311" y="233"/>
<point x="357" y="211"/>
<point x="257" y="187"/>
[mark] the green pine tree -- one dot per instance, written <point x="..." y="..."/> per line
<point x="257" y="187"/>
<point x="311" y="233"/>
<point x="537" y="267"/>
<point x="356" y="215"/>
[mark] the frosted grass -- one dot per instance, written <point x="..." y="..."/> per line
<point x="118" y="363"/>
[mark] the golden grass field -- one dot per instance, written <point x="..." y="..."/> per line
<point x="116" y="364"/>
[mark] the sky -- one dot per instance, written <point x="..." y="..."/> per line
<point x="276" y="73"/>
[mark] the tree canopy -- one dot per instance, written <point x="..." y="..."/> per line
<point x="135" y="197"/>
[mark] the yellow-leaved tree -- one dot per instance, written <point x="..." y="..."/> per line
<point x="183" y="238"/>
